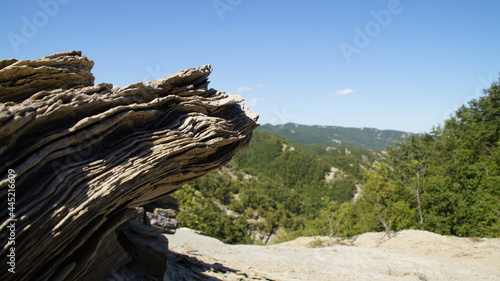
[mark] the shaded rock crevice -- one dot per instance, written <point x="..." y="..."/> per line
<point x="84" y="155"/>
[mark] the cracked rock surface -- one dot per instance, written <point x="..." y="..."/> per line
<point x="86" y="155"/>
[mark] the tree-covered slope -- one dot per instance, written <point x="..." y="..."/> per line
<point x="368" y="138"/>
<point x="273" y="186"/>
<point x="447" y="182"/>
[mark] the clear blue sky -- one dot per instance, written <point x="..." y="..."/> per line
<point x="387" y="64"/>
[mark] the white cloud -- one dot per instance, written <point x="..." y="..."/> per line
<point x="241" y="89"/>
<point x="255" y="101"/>
<point x="343" y="92"/>
<point x="260" y="86"/>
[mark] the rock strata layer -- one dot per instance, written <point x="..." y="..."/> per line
<point x="84" y="156"/>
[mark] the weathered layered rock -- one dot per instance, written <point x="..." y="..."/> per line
<point x="142" y="238"/>
<point x="86" y="155"/>
<point x="21" y="79"/>
<point x="147" y="248"/>
<point x="162" y="214"/>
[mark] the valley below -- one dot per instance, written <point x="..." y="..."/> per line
<point x="407" y="255"/>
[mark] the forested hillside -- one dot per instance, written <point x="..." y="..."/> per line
<point x="274" y="186"/>
<point x="368" y="138"/>
<point x="446" y="181"/>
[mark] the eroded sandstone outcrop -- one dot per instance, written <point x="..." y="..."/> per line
<point x="83" y="156"/>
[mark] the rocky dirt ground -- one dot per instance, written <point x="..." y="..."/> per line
<point x="409" y="255"/>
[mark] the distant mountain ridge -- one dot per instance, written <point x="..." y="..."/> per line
<point x="368" y="138"/>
